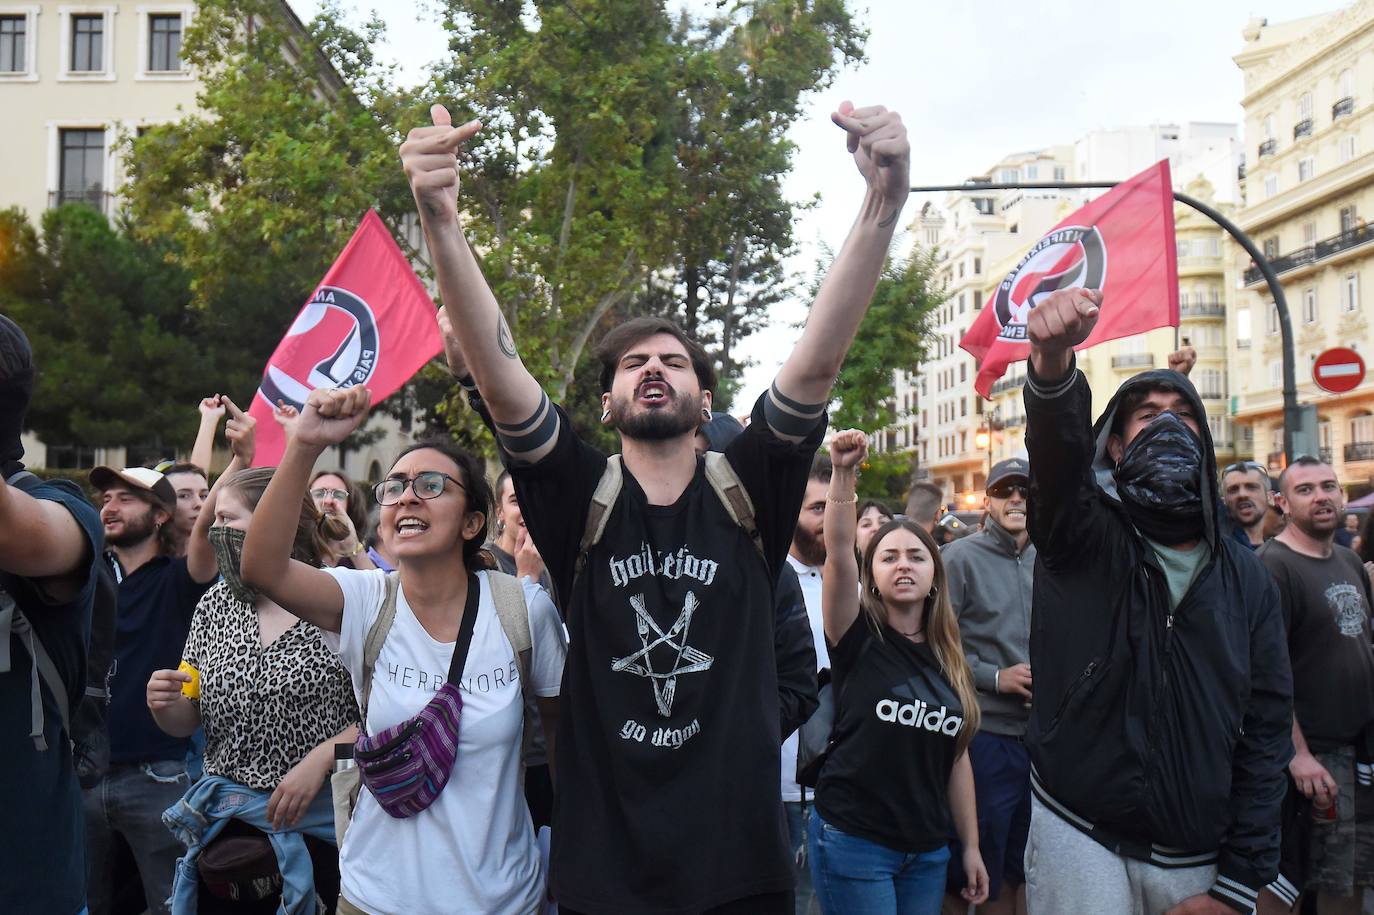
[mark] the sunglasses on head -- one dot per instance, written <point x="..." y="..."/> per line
<point x="1005" y="490"/>
<point x="1245" y="466"/>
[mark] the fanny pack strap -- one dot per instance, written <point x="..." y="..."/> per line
<point x="465" y="630"/>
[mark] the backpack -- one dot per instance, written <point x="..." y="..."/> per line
<point x="719" y="474"/>
<point x="85" y="724"/>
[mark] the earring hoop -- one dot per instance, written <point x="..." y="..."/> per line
<point x="605" y="416"/>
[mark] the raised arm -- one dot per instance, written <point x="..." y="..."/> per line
<point x="524" y="418"/>
<point x="840" y="579"/>
<point x="203" y="451"/>
<point x="310" y="593"/>
<point x="878" y="141"/>
<point x="239" y="431"/>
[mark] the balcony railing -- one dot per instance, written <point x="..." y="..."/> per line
<point x="1133" y="361"/>
<point x="1344" y="107"/>
<point x="1014" y="423"/>
<point x="1007" y="384"/>
<point x="1243" y="343"/>
<point x="1302" y="129"/>
<point x="1268" y="147"/>
<point x="1350" y="238"/>
<point x="1202" y="310"/>
<point x="94" y="197"/>
<point x="1324" y="455"/>
<point x="1213" y="395"/>
<point x="1359" y="451"/>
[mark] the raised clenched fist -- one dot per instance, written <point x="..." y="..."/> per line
<point x="877" y="138"/>
<point x="1057" y="325"/>
<point x="429" y="156"/>
<point x="848" y="448"/>
<point x="331" y="415"/>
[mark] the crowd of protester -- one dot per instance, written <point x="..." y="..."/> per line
<point x="696" y="676"/>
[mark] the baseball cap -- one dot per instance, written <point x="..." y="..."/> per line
<point x="1011" y="468"/>
<point x="139" y="479"/>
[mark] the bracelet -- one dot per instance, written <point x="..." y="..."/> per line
<point x="849" y="501"/>
<point x="358" y="550"/>
<point x="995" y="675"/>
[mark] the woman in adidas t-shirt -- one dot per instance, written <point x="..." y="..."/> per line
<point x="473" y="849"/>
<point x="898" y="770"/>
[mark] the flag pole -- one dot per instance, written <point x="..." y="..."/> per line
<point x="1292" y="417"/>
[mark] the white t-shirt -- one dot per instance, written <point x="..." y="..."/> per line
<point x="473" y="849"/>
<point x="810" y="578"/>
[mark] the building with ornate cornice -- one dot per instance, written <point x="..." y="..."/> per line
<point x="1308" y="193"/>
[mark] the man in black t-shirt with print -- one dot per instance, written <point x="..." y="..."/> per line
<point x="49" y="549"/>
<point x="1328" y="842"/>
<point x="669" y="738"/>
<point x="158" y="593"/>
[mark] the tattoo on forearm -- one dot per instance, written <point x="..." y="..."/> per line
<point x="504" y="340"/>
<point x="890" y="219"/>
<point x="432" y="210"/>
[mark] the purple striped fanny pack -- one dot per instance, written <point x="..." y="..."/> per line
<point x="406" y="766"/>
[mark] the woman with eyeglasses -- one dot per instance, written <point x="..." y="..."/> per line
<point x="472" y="849"/>
<point x="335" y="494"/>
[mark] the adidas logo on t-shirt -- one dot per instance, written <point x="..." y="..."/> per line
<point x="919" y="715"/>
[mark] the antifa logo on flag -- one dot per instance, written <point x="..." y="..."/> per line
<point x="340" y="340"/>
<point x="1067" y="257"/>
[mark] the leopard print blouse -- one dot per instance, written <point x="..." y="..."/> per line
<point x="263" y="707"/>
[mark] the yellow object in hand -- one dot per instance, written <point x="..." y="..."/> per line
<point x="190" y="690"/>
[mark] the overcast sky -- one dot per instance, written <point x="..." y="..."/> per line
<point x="973" y="81"/>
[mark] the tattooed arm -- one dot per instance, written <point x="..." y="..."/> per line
<point x="524" y="418"/>
<point x="882" y="153"/>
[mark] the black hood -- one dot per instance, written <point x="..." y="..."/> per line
<point x="1104" y="468"/>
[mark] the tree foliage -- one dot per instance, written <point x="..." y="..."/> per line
<point x="892" y="336"/>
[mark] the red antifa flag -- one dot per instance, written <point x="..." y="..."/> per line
<point x="1121" y="243"/>
<point x="369" y="322"/>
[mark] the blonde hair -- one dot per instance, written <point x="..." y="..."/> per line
<point x="316" y="532"/>
<point x="941" y="626"/>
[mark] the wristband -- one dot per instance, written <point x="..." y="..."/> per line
<point x="358" y="550"/>
<point x="996" y="674"/>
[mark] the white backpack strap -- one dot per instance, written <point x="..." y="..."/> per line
<point x="599" y="512"/>
<point x="42" y="668"/>
<point x="376" y="636"/>
<point x="733" y="496"/>
<point x="508" y="596"/>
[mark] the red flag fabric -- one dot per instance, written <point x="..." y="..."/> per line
<point x="1121" y="243"/>
<point x="369" y="322"/>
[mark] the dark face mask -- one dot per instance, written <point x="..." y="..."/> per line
<point x="228" y="544"/>
<point x="1159" y="478"/>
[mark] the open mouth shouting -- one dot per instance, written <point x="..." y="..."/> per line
<point x="653" y="391"/>
<point x="410" y="527"/>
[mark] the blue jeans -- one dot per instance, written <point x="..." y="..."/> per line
<point x="854" y="876"/>
<point x="130" y="800"/>
<point x="805" y="896"/>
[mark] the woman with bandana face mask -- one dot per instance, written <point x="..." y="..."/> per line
<point x="271" y="695"/>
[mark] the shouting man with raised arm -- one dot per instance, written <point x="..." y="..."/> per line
<point x="1160" y="728"/>
<point x="669" y="741"/>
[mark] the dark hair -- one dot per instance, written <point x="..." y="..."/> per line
<point x="882" y="508"/>
<point x="355" y="507"/>
<point x="1305" y="460"/>
<point x="617" y="343"/>
<point x="1132" y="399"/>
<point x="475" y="487"/>
<point x="822" y="469"/>
<point x="316" y="532"/>
<point x="185" y="467"/>
<point x="1367" y="538"/>
<point x="923" y="502"/>
<point x="501" y="479"/>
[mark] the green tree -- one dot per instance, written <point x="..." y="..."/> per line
<point x="120" y="356"/>
<point x="254" y="194"/>
<point x="893" y="336"/>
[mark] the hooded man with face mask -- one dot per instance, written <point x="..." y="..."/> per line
<point x="1163" y="693"/>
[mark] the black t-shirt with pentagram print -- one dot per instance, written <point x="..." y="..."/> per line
<point x="1326" y="606"/>
<point x="668" y="739"/>
<point x="897" y="722"/>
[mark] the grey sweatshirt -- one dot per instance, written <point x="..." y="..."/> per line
<point x="990" y="588"/>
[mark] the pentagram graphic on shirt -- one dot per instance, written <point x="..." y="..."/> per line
<point x="663" y="655"/>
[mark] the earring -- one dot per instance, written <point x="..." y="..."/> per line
<point x="605" y="416"/>
<point x="706" y="414"/>
<point x="934" y="590"/>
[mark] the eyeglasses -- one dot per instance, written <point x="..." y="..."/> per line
<point x="319" y="495"/>
<point x="1245" y="466"/>
<point x="428" y="484"/>
<point x="1005" y="490"/>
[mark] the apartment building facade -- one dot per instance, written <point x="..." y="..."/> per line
<point x="1308" y="192"/>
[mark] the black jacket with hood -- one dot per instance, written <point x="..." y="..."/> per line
<point x="1162" y="733"/>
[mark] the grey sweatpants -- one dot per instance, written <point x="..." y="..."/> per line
<point x="1067" y="873"/>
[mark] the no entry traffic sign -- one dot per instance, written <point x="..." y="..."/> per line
<point x="1338" y="370"/>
